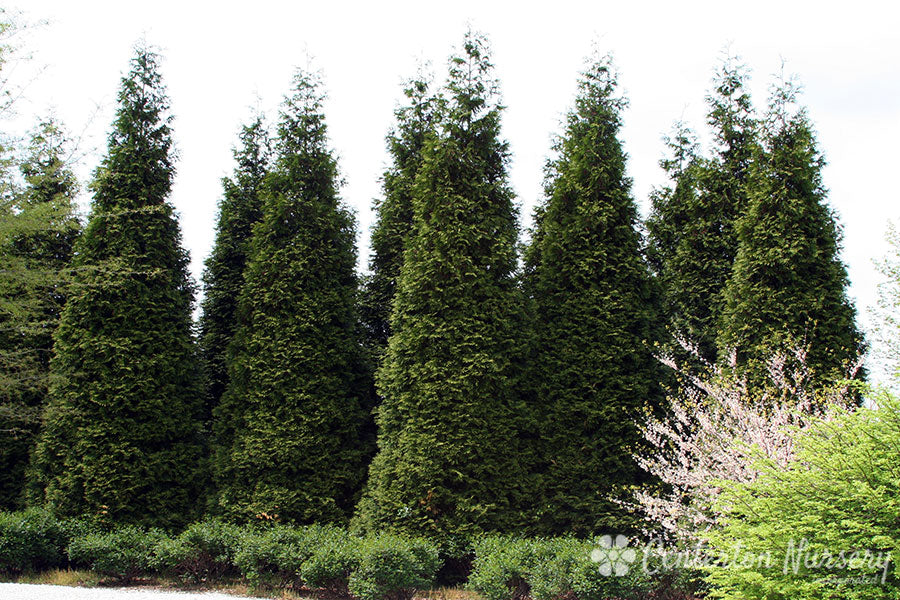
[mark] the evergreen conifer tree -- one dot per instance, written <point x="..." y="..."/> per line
<point x="788" y="286"/>
<point x="393" y="213"/>
<point x="294" y="408"/>
<point x="450" y="418"/>
<point x="692" y="224"/>
<point x="120" y="435"/>
<point x="239" y="209"/>
<point x="597" y="309"/>
<point x="36" y="243"/>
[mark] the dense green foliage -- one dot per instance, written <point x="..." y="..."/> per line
<point x="34" y="539"/>
<point x="394" y="212"/>
<point x="841" y="495"/>
<point x="507" y="400"/>
<point x="692" y="237"/>
<point x="203" y="551"/>
<point x="120" y="438"/>
<point x="319" y="558"/>
<point x="37" y="236"/>
<point x="596" y="311"/>
<point x="508" y="568"/>
<point x="120" y="555"/>
<point x="788" y="284"/>
<point x="290" y="422"/>
<point x="450" y="419"/>
<point x="239" y="209"/>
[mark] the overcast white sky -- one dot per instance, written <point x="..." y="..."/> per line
<point x="223" y="58"/>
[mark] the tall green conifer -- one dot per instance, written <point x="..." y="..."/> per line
<point x="596" y="312"/>
<point x="120" y="438"/>
<point x="448" y="458"/>
<point x="394" y="213"/>
<point x="295" y="402"/>
<point x="36" y="244"/>
<point x="239" y="209"/>
<point x="692" y="224"/>
<point x="788" y="286"/>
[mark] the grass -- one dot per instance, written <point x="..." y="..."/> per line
<point x="448" y="593"/>
<point x="69" y="577"/>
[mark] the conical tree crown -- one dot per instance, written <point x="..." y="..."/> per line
<point x="788" y="287"/>
<point x="394" y="212"/>
<point x="448" y="459"/>
<point x="693" y="241"/>
<point x="239" y="209"/>
<point x="120" y="435"/>
<point x="596" y="309"/>
<point x="293" y="413"/>
<point x="36" y="244"/>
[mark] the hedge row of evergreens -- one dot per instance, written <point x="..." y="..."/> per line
<point x="449" y="392"/>
<point x="214" y="552"/>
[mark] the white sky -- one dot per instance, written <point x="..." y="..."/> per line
<point x="223" y="58"/>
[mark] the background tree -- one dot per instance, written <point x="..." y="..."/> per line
<point x="120" y="438"/>
<point x="450" y="417"/>
<point x="394" y="213"/>
<point x="692" y="224"/>
<point x="885" y="334"/>
<point x="294" y="407"/>
<point x="788" y="286"/>
<point x="596" y="308"/>
<point x="239" y="209"/>
<point x="37" y="235"/>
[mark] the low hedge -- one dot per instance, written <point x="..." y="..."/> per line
<point x="324" y="558"/>
<point x="393" y="567"/>
<point x="35" y="540"/>
<point x="378" y="567"/>
<point x="202" y="552"/>
<point x="509" y="568"/>
<point x="122" y="555"/>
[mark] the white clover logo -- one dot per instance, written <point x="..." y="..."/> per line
<point x="614" y="556"/>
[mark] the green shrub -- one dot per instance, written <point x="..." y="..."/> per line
<point x="502" y="567"/>
<point x="508" y="568"/>
<point x="393" y="568"/>
<point x="34" y="539"/>
<point x="123" y="554"/>
<point x="331" y="563"/>
<point x="840" y="495"/>
<point x="203" y="551"/>
<point x="278" y="553"/>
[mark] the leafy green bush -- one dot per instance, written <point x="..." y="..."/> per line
<point x="502" y="567"/>
<point x="34" y="539"/>
<point x="840" y="495"/>
<point x="392" y="567"/>
<point x="203" y="551"/>
<point x="278" y="553"/>
<point x="331" y="563"/>
<point x="122" y="554"/>
<point x="507" y="568"/>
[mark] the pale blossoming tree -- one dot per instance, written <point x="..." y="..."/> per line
<point x="717" y="429"/>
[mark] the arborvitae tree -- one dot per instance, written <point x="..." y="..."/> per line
<point x="597" y="311"/>
<point x="294" y="406"/>
<point x="239" y="209"/>
<point x="788" y="286"/>
<point x="692" y="237"/>
<point x="448" y="459"/>
<point x="120" y="435"/>
<point x="393" y="213"/>
<point x="669" y="250"/>
<point x="36" y="243"/>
